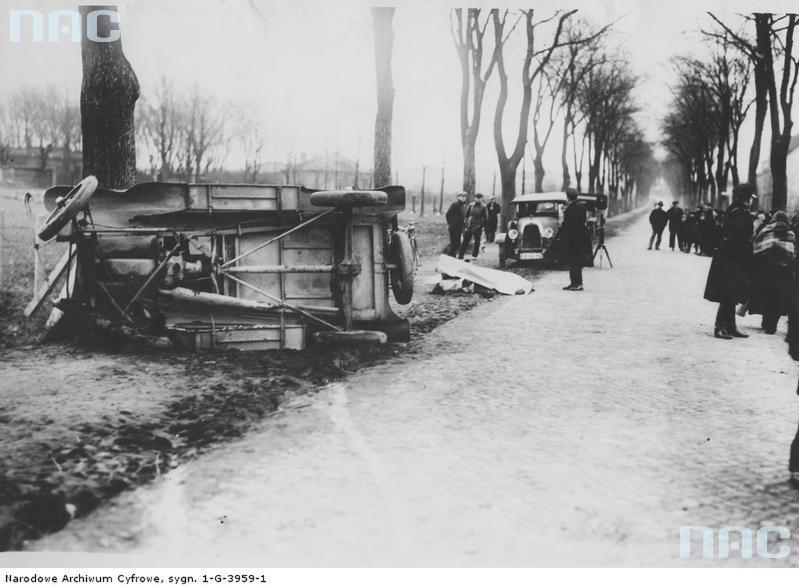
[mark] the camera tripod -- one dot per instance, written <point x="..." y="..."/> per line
<point x="600" y="245"/>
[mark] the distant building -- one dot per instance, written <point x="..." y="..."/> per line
<point x="764" y="189"/>
<point x="33" y="168"/>
<point x="322" y="172"/>
<point x="330" y="172"/>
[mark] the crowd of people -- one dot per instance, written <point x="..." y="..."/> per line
<point x="699" y="230"/>
<point x="754" y="260"/>
<point x="754" y="265"/>
<point x="467" y="223"/>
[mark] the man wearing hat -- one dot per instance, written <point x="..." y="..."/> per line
<point x="675" y="222"/>
<point x="658" y="219"/>
<point x="456" y="216"/>
<point x="574" y="241"/>
<point x="493" y="209"/>
<point x="727" y="280"/>
<point x="476" y="220"/>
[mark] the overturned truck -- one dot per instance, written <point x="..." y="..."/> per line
<point x="229" y="266"/>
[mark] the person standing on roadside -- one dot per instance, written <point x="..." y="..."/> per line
<point x="707" y="230"/>
<point x="456" y="216"/>
<point x="774" y="248"/>
<point x="658" y="219"/>
<point x="728" y="278"/>
<point x="675" y="215"/>
<point x="493" y="209"/>
<point x="476" y="220"/>
<point x="575" y="240"/>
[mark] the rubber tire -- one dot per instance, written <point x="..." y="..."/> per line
<point x="401" y="256"/>
<point x="502" y="256"/>
<point x="76" y="200"/>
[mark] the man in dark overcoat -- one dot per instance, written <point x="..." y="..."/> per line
<point x="574" y="240"/>
<point x="493" y="208"/>
<point x="456" y="216"/>
<point x="675" y="222"/>
<point x="476" y="219"/>
<point x="658" y="219"/>
<point x="728" y="278"/>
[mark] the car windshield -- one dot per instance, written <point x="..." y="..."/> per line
<point x="545" y="208"/>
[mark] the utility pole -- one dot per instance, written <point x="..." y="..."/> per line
<point x="424" y="175"/>
<point x="441" y="194"/>
<point x="357" y="165"/>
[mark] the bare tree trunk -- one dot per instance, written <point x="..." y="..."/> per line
<point x="781" y="137"/>
<point x="469" y="181"/>
<point x="578" y="165"/>
<point x="468" y="38"/>
<point x="507" y="174"/>
<point x="564" y="163"/>
<point x="594" y="167"/>
<point x="524" y="175"/>
<point x="734" y="160"/>
<point x="383" y="40"/>
<point x="761" y="92"/>
<point x="509" y="163"/>
<point x="107" y="101"/>
<point x="538" y="165"/>
<point x="721" y="167"/>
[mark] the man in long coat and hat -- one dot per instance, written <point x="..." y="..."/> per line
<point x="728" y="278"/>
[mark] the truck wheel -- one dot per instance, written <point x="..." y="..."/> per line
<point x="334" y="198"/>
<point x="401" y="257"/>
<point x="76" y="200"/>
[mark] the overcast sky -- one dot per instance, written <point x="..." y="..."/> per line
<point x="306" y="69"/>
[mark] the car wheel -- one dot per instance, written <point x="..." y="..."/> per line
<point x="501" y="257"/>
<point x="401" y="275"/>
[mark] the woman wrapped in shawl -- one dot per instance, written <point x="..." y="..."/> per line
<point x="772" y="271"/>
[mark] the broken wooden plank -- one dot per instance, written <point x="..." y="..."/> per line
<point x="38" y="298"/>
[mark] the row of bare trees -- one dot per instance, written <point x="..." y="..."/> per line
<point x="567" y="77"/>
<point x="753" y="62"/>
<point x="40" y="118"/>
<point x="187" y="134"/>
<point x="183" y="135"/>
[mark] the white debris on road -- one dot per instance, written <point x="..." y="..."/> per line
<point x="501" y="281"/>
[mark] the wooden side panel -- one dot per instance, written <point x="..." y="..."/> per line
<point x="310" y="246"/>
<point x="363" y="287"/>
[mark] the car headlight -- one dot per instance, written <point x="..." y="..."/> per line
<point x="513" y="234"/>
<point x="548" y="232"/>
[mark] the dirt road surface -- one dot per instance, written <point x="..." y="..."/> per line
<point x="559" y="428"/>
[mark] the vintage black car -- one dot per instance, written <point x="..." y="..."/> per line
<point x="535" y="220"/>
